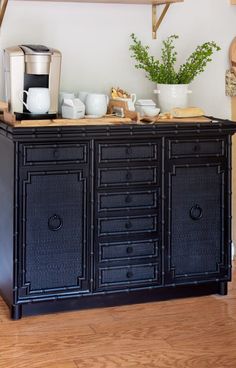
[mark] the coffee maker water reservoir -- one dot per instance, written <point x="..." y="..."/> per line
<point x="28" y="66"/>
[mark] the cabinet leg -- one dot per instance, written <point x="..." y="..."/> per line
<point x="16" y="312"/>
<point x="223" y="288"/>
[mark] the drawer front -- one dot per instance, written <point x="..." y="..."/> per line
<point x="127" y="152"/>
<point x="127" y="176"/>
<point x="196" y="148"/>
<point x="127" y="200"/>
<point x="128" y="275"/>
<point x="127" y="225"/>
<point x="41" y="154"/>
<point x="128" y="250"/>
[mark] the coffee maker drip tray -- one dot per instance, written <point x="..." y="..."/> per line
<point x="30" y="116"/>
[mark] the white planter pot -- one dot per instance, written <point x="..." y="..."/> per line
<point x="172" y="95"/>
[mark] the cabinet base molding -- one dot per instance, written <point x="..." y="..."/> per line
<point x="116" y="299"/>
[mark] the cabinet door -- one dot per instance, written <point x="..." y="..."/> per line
<point x="196" y="242"/>
<point x="53" y="232"/>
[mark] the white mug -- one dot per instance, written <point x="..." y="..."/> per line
<point x="96" y="104"/>
<point x="38" y="100"/>
<point x="82" y="96"/>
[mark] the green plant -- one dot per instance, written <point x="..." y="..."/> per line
<point x="164" y="71"/>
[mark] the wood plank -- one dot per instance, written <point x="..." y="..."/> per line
<point x="71" y="122"/>
<point x="65" y="364"/>
<point x="102" y="121"/>
<point x="190" y="333"/>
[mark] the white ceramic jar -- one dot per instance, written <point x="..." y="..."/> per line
<point x="172" y="95"/>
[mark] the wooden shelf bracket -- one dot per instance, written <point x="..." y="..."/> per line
<point x="157" y="22"/>
<point x="3" y="6"/>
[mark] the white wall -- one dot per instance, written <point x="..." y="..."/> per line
<point x="94" y="40"/>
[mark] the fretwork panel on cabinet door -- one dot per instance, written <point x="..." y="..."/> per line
<point x="53" y="232"/>
<point x="196" y="211"/>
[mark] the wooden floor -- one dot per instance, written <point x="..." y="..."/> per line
<point x="186" y="333"/>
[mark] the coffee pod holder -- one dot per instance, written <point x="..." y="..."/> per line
<point x="120" y="109"/>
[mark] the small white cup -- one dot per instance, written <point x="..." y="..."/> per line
<point x="82" y="96"/>
<point x="96" y="104"/>
<point x="38" y="100"/>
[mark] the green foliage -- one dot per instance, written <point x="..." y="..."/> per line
<point x="163" y="71"/>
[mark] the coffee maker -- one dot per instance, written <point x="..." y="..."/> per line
<point x="27" y="66"/>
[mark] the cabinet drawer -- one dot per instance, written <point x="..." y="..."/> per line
<point x="127" y="200"/>
<point x="196" y="148"/>
<point x="127" y="275"/>
<point x="41" y="154"/>
<point x="127" y="152"/>
<point x="126" y="225"/>
<point x="127" y="250"/>
<point x="127" y="176"/>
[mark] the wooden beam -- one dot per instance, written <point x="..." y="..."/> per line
<point x="2" y="10"/>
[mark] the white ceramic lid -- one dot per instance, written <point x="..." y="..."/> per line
<point x="141" y="102"/>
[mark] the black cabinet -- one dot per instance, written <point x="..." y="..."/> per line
<point x="53" y="232"/>
<point x="196" y="244"/>
<point x="99" y="216"/>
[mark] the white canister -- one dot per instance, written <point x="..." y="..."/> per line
<point x="62" y="96"/>
<point x="172" y="95"/>
<point x="73" y="108"/>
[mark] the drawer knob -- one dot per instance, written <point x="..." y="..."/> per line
<point x="196" y="148"/>
<point x="129" y="250"/>
<point x="196" y="212"/>
<point x="129" y="274"/>
<point x="128" y="150"/>
<point x="128" y="199"/>
<point x="55" y="222"/>
<point x="128" y="175"/>
<point x="128" y="225"/>
<point x="56" y="153"/>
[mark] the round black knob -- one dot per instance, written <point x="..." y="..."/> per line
<point x="128" y="225"/>
<point x="129" y="250"/>
<point x="128" y="199"/>
<point x="55" y="223"/>
<point x="196" y="147"/>
<point x="128" y="150"/>
<point x="129" y="274"/>
<point x="196" y="212"/>
<point x="128" y="175"/>
<point x="55" y="153"/>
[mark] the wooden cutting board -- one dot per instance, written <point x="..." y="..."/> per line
<point x="71" y="122"/>
<point x="157" y="120"/>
